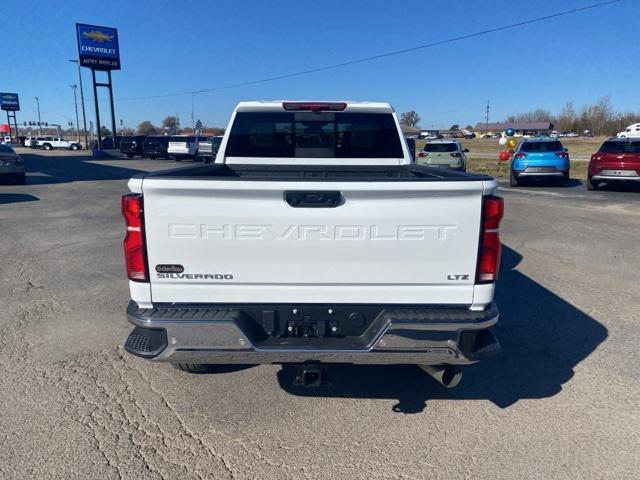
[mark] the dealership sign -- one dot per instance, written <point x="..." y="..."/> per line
<point x="98" y="47"/>
<point x="9" y="101"/>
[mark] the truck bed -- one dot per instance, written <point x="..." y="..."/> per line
<point x="317" y="173"/>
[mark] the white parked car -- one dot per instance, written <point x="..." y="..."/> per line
<point x="182" y="147"/>
<point x="632" y="131"/>
<point x="313" y="237"/>
<point x="444" y="153"/>
<point x="49" y="143"/>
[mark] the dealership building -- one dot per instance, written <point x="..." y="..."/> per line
<point x="521" y="128"/>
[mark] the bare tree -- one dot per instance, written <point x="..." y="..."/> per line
<point x="410" y="119"/>
<point x="538" y="115"/>
<point x="567" y="120"/>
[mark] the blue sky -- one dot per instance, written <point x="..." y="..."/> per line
<point x="170" y="46"/>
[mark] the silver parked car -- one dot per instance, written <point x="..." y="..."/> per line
<point x="11" y="164"/>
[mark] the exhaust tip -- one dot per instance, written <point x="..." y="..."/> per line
<point x="449" y="376"/>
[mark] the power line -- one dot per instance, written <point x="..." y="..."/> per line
<point x="382" y="55"/>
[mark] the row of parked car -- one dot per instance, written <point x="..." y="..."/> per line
<point x="176" y="147"/>
<point x="616" y="161"/>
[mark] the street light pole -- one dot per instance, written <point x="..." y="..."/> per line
<point x="39" y="120"/>
<point x="75" y="101"/>
<point x="84" y="116"/>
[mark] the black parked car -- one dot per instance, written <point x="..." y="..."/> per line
<point x="154" y="147"/>
<point x="131" y="146"/>
<point x="107" y="143"/>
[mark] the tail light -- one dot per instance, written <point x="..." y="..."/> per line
<point x="520" y="155"/>
<point x="135" y="256"/>
<point x="562" y="154"/>
<point x="596" y="158"/>
<point x="489" y="252"/>
<point x="455" y="154"/>
<point x="422" y="154"/>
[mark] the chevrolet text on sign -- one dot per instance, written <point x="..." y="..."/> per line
<point x="98" y="47"/>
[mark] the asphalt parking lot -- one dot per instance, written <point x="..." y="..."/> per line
<point x="561" y="400"/>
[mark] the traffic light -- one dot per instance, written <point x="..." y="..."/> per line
<point x="39" y="124"/>
<point x="46" y="124"/>
<point x="24" y="124"/>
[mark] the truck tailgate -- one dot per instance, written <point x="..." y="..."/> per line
<point x="217" y="241"/>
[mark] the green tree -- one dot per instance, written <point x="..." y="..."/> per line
<point x="147" y="128"/>
<point x="104" y="131"/>
<point x="410" y="119"/>
<point x="171" y="124"/>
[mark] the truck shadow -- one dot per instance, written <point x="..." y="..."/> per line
<point x="49" y="169"/>
<point x="6" y="198"/>
<point x="543" y="338"/>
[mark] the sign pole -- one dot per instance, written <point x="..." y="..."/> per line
<point x="113" y="114"/>
<point x="9" y="123"/>
<point x="84" y="117"/>
<point x="95" y="98"/>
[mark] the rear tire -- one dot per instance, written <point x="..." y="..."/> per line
<point x="129" y="155"/>
<point x="590" y="185"/>
<point x="513" y="180"/>
<point x="46" y="146"/>
<point x="564" y="180"/>
<point x="74" y="147"/>
<point x="194" y="367"/>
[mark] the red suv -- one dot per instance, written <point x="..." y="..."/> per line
<point x="618" y="160"/>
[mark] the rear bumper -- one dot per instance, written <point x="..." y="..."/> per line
<point x="11" y="169"/>
<point x="223" y="334"/>
<point x="540" y="171"/>
<point x="154" y="151"/>
<point x="614" y="178"/>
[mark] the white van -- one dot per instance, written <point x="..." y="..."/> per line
<point x="632" y="131"/>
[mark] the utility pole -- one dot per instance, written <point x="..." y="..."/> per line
<point x="486" y="118"/>
<point x="74" y="87"/>
<point x="84" y="116"/>
<point x="39" y="119"/>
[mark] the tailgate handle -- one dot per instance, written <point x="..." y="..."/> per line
<point x="315" y="199"/>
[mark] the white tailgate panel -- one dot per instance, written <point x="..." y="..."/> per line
<point x="395" y="242"/>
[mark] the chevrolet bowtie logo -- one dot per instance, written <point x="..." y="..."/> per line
<point x="97" y="36"/>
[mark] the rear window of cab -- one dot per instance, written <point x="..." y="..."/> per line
<point x="440" y="147"/>
<point x="534" y="147"/>
<point x="314" y="135"/>
<point x="620" y="147"/>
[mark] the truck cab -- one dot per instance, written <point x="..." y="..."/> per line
<point x="632" y="131"/>
<point x="313" y="237"/>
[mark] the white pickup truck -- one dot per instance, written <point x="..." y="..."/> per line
<point x="49" y="143"/>
<point x="313" y="238"/>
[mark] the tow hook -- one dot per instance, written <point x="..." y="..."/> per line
<point x="311" y="374"/>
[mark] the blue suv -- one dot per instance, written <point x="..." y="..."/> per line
<point x="540" y="158"/>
